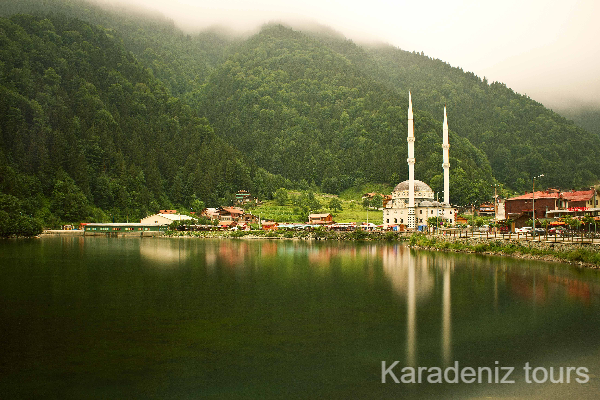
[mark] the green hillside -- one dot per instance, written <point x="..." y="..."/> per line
<point x="87" y="132"/>
<point x="520" y="137"/>
<point x="299" y="109"/>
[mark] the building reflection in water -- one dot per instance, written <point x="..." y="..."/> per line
<point x="446" y="315"/>
<point x="163" y="253"/>
<point x="413" y="275"/>
<point x="411" y="312"/>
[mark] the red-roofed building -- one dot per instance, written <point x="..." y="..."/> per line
<point x="578" y="199"/>
<point x="230" y="213"/>
<point x="544" y="201"/>
<point x="552" y="203"/>
<point x="320" y="219"/>
<point x="269" y="225"/>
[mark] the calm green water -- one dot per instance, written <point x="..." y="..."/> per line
<point x="188" y="318"/>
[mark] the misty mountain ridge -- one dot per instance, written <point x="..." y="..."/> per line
<point x="126" y="114"/>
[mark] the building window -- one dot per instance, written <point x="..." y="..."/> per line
<point x="387" y="221"/>
<point x="451" y="220"/>
<point x="401" y="220"/>
<point x="395" y="220"/>
<point x="420" y="211"/>
<point x="420" y="220"/>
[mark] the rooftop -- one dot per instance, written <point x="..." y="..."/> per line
<point x="418" y="185"/>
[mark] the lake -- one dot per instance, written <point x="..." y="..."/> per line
<point x="91" y="317"/>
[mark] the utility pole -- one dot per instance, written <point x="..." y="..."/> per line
<point x="533" y="202"/>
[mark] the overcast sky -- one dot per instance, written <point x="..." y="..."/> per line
<point x="547" y="49"/>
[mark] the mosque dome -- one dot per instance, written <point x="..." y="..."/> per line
<point x="419" y="186"/>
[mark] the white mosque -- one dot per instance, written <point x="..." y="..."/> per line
<point x="413" y="201"/>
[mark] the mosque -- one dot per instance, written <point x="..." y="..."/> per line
<point x="413" y="201"/>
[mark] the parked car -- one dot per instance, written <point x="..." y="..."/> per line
<point x="525" y="229"/>
<point x="558" y="231"/>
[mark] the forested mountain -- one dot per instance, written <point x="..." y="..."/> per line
<point x="300" y="109"/>
<point x="520" y="137"/>
<point x="85" y="127"/>
<point x="586" y="117"/>
<point x="108" y="113"/>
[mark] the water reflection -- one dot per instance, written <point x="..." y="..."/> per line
<point x="446" y="316"/>
<point x="162" y="253"/>
<point x="412" y="274"/>
<point x="244" y="318"/>
<point x="407" y="271"/>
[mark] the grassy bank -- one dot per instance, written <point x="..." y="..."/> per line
<point x="574" y="253"/>
<point x="317" y="234"/>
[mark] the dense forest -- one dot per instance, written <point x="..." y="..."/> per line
<point x="88" y="133"/>
<point x="112" y="115"/>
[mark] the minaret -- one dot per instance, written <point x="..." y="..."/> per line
<point x="411" y="166"/>
<point x="446" y="164"/>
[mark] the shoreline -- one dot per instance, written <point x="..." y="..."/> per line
<point x="583" y="255"/>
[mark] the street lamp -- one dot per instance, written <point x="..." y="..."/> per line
<point x="495" y="185"/>
<point x="533" y="202"/>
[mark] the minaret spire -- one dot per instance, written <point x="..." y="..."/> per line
<point x="446" y="160"/>
<point x="411" y="166"/>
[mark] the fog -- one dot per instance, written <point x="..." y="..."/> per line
<point x="546" y="49"/>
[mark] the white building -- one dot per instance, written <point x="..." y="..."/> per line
<point x="165" y="219"/>
<point x="413" y="201"/>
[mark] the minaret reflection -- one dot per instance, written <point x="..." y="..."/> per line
<point x="410" y="276"/>
<point x="413" y="274"/>
<point x="446" y="315"/>
<point x="411" y="327"/>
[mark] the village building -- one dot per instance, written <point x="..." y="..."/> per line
<point x="210" y="213"/>
<point x="123" y="229"/>
<point x="552" y="204"/>
<point x="230" y="214"/>
<point x="460" y="220"/>
<point x="500" y="210"/>
<point x="320" y="219"/>
<point x="243" y="197"/>
<point x="165" y="219"/>
<point x="486" y="209"/>
<point x="413" y="201"/>
<point x="269" y="225"/>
